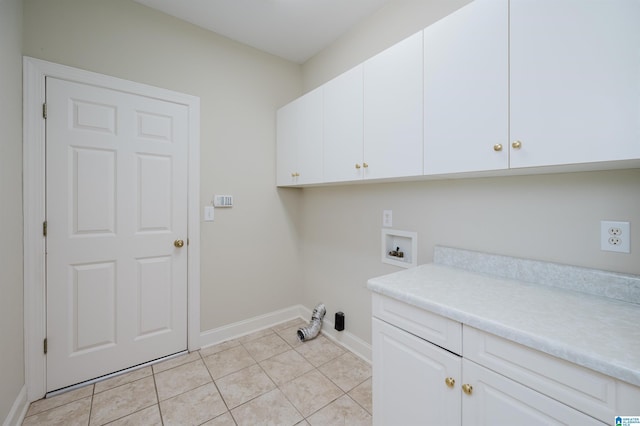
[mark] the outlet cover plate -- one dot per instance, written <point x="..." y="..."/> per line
<point x="615" y="236"/>
<point x="208" y="213"/>
<point x="387" y="218"/>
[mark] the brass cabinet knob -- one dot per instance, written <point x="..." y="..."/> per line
<point x="178" y="243"/>
<point x="450" y="381"/>
<point x="516" y="145"/>
<point x="365" y="165"/>
<point x="497" y="147"/>
<point x="467" y="388"/>
<point x="357" y="166"/>
<point x="295" y="174"/>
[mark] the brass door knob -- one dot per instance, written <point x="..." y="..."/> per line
<point x="357" y="166"/>
<point x="516" y="145"/>
<point x="178" y="243"/>
<point x="497" y="147"/>
<point x="467" y="388"/>
<point x="450" y="381"/>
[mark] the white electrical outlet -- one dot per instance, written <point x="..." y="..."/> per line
<point x="387" y="218"/>
<point x="615" y="236"/>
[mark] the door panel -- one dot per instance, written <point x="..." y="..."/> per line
<point x="93" y="324"/>
<point x="154" y="178"/>
<point x="116" y="177"/>
<point x="93" y="191"/>
<point x="154" y="288"/>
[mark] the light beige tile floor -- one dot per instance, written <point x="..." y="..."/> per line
<point x="265" y="378"/>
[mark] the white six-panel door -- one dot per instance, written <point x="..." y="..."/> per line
<point x="116" y="185"/>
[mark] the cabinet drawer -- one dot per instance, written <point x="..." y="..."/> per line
<point x="593" y="393"/>
<point x="434" y="328"/>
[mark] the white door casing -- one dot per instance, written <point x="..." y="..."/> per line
<point x="116" y="187"/>
<point x="35" y="73"/>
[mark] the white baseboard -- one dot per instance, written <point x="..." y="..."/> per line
<point x="241" y="328"/>
<point x="18" y="409"/>
<point x="231" y="331"/>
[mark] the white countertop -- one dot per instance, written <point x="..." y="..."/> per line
<point x="595" y="332"/>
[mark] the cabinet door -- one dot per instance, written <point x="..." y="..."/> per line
<point x="342" y="110"/>
<point x="496" y="400"/>
<point x="409" y="380"/>
<point x="575" y="86"/>
<point x="286" y="164"/>
<point x="299" y="151"/>
<point x="393" y="111"/>
<point x="466" y="83"/>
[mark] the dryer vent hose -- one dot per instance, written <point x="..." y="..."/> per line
<point x="310" y="332"/>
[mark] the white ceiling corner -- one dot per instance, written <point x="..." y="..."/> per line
<point x="292" y="29"/>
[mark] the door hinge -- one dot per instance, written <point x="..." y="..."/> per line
<point x="44" y="110"/>
<point x="44" y="228"/>
<point x="45" y="346"/>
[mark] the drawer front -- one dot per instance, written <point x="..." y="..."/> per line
<point x="434" y="328"/>
<point x="595" y="394"/>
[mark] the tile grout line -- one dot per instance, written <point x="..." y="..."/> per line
<point x="155" y="386"/>
<point x="355" y="400"/>
<point x="93" y="393"/>
<point x="218" y="390"/>
<point x="268" y="376"/>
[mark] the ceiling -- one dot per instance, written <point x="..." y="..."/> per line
<point x="292" y="29"/>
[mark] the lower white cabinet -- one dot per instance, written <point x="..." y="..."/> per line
<point x="416" y="382"/>
<point x="409" y="377"/>
<point x="493" y="399"/>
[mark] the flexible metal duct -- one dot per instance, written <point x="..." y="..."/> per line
<point x="310" y="332"/>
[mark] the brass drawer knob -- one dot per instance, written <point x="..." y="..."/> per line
<point x="365" y="165"/>
<point x="357" y="166"/>
<point x="467" y="388"/>
<point x="450" y="381"/>
<point x="516" y="145"/>
<point x="497" y="147"/>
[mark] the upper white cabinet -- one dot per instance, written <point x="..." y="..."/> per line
<point x="342" y="110"/>
<point x="393" y="108"/>
<point x="497" y="85"/>
<point x="466" y="90"/>
<point x="575" y="81"/>
<point x="299" y="141"/>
